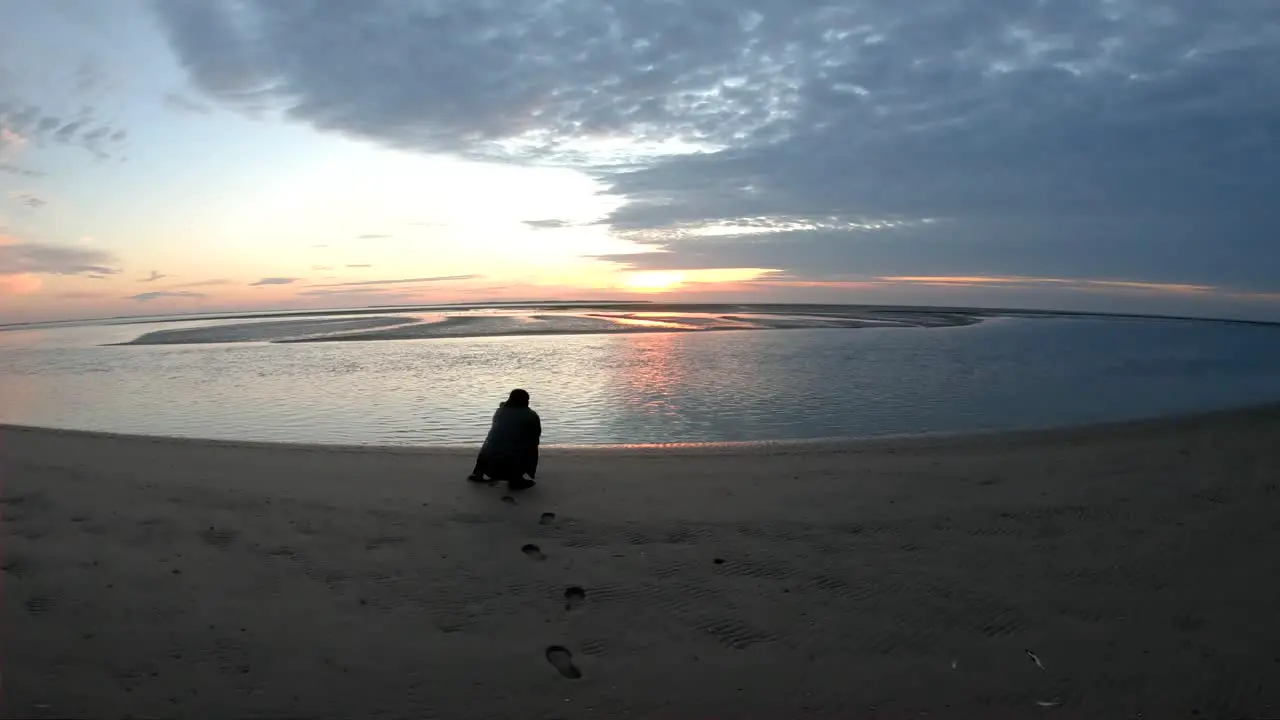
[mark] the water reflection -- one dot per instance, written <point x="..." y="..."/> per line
<point x="647" y="322"/>
<point x="642" y="388"/>
<point x="650" y="374"/>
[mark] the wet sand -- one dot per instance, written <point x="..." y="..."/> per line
<point x="266" y="331"/>
<point x="1100" y="572"/>
<point x="514" y="322"/>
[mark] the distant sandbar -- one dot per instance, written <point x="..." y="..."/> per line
<point x="492" y="324"/>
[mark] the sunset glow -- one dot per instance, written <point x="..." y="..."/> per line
<point x="654" y="281"/>
<point x="298" y="166"/>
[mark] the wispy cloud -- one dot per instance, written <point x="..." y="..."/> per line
<point x="372" y="236"/>
<point x="990" y="281"/>
<point x="28" y="200"/>
<point x="384" y="295"/>
<point x="30" y="122"/>
<point x="399" y="281"/>
<point x="274" y="281"/>
<point x="19" y="171"/>
<point x="83" y="295"/>
<point x="184" y="103"/>
<point x="549" y="224"/>
<point x="360" y="265"/>
<point x="166" y="294"/>
<point x="202" y="283"/>
<point x="154" y="276"/>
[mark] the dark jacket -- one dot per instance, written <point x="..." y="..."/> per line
<point x="512" y="442"/>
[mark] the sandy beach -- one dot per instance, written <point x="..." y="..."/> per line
<point x="1097" y="572"/>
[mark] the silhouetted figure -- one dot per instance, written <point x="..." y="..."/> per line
<point x="510" y="450"/>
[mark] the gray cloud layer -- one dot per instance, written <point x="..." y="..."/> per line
<point x="1130" y="139"/>
<point x="42" y="258"/>
<point x="274" y="281"/>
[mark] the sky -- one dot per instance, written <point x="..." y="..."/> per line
<point x="211" y="155"/>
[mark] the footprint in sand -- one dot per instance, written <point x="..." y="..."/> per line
<point x="562" y="660"/>
<point x="573" y="597"/>
<point x="533" y="551"/>
<point x="547" y="518"/>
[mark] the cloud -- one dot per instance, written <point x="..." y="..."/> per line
<point x="20" y="124"/>
<point x="1027" y="282"/>
<point x="82" y="295"/>
<point x="548" y="224"/>
<point x="17" y="258"/>
<point x="542" y="70"/>
<point x="1129" y="139"/>
<point x="154" y="276"/>
<point x="202" y="283"/>
<point x="360" y="265"/>
<point x="97" y="135"/>
<point x="184" y="103"/>
<point x="274" y="281"/>
<point x="399" y="281"/>
<point x="321" y="268"/>
<point x="372" y="236"/>
<point x="164" y="294"/>
<point x="28" y="200"/>
<point x="381" y="293"/>
<point x="19" y="171"/>
<point x="67" y="132"/>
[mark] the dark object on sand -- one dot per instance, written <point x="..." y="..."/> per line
<point x="510" y="450"/>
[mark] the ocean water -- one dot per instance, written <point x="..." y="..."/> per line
<point x="655" y="387"/>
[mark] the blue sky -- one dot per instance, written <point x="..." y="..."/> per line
<point x="192" y="155"/>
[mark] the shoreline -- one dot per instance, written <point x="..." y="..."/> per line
<point x="1097" y="571"/>
<point x="637" y="305"/>
<point x="829" y="445"/>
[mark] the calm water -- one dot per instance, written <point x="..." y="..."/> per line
<point x="652" y="388"/>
